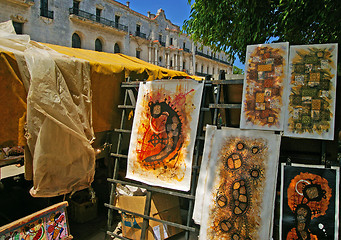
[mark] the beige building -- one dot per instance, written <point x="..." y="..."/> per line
<point x="110" y="26"/>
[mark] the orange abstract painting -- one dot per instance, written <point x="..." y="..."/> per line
<point x="240" y="185"/>
<point x="264" y="83"/>
<point x="309" y="206"/>
<point x="164" y="131"/>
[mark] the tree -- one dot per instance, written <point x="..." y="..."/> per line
<point x="237" y="70"/>
<point x="231" y="25"/>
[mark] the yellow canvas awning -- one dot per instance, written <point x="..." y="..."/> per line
<point x="107" y="72"/>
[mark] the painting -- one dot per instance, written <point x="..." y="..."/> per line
<point x="47" y="224"/>
<point x="311" y="92"/>
<point x="309" y="202"/>
<point x="240" y="185"/>
<point x="164" y="131"/>
<point x="202" y="180"/>
<point x="265" y="79"/>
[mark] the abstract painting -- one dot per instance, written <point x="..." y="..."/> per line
<point x="240" y="185"/>
<point x="264" y="85"/>
<point x="309" y="202"/>
<point x="47" y="224"/>
<point x="311" y="92"/>
<point x="163" y="134"/>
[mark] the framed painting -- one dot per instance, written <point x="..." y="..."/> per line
<point x="263" y="105"/>
<point x="164" y="131"/>
<point x="309" y="202"/>
<point x="240" y="185"/>
<point x="47" y="224"/>
<point x="312" y="91"/>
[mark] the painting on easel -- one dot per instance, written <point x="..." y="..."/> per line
<point x="47" y="224"/>
<point x="163" y="134"/>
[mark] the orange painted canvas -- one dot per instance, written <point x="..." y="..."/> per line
<point x="263" y="105"/>
<point x="312" y="91"/>
<point x="240" y="185"/>
<point x="309" y="202"/>
<point x="164" y="131"/>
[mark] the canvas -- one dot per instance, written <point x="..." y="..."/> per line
<point x="240" y="185"/>
<point x="312" y="91"/>
<point x="164" y="132"/>
<point x="47" y="224"/>
<point x="309" y="202"/>
<point x="264" y="85"/>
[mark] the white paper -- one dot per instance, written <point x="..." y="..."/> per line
<point x="164" y="132"/>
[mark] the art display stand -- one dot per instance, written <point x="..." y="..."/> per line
<point x="218" y="107"/>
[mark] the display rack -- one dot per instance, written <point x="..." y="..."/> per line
<point x="216" y="103"/>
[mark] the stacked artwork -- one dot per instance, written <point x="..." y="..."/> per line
<point x="163" y="134"/>
<point x="240" y="184"/>
<point x="264" y="83"/>
<point x="309" y="203"/>
<point x="312" y="91"/>
<point x="48" y="224"/>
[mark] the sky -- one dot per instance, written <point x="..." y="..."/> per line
<point x="177" y="11"/>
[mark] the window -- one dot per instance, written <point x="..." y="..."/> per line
<point x="117" y="21"/>
<point x="18" y="27"/>
<point x="98" y="14"/>
<point x="138" y="28"/>
<point x="160" y="59"/>
<point x="207" y="70"/>
<point x="160" y="37"/>
<point x="196" y="67"/>
<point x="44" y="9"/>
<point x="76" y="41"/>
<point x="138" y="53"/>
<point x="171" y="63"/>
<point x="116" y="48"/>
<point x="75" y="7"/>
<point x="183" y="65"/>
<point x="183" y="45"/>
<point x="171" y="41"/>
<point x="202" y="69"/>
<point x="98" y="45"/>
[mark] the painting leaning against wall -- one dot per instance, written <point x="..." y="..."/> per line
<point x="240" y="185"/>
<point x="312" y="92"/>
<point x="164" y="131"/>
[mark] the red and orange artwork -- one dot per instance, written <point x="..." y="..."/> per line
<point x="308" y="205"/>
<point x="312" y="91"/>
<point x="164" y="131"/>
<point x="264" y="84"/>
<point x="242" y="187"/>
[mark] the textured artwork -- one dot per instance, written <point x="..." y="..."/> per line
<point x="309" y="203"/>
<point x="264" y="85"/>
<point x="48" y="224"/>
<point x="164" y="131"/>
<point x="240" y="185"/>
<point x="311" y="94"/>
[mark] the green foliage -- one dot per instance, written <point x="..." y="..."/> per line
<point x="231" y="25"/>
<point x="237" y="70"/>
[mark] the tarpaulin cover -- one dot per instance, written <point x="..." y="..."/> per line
<point x="63" y="95"/>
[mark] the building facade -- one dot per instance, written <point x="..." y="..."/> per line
<point x="110" y="26"/>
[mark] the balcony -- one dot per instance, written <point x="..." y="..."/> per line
<point x="141" y="35"/>
<point x="46" y="13"/>
<point x="94" y="18"/>
<point x="210" y="57"/>
<point x="186" y="50"/>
